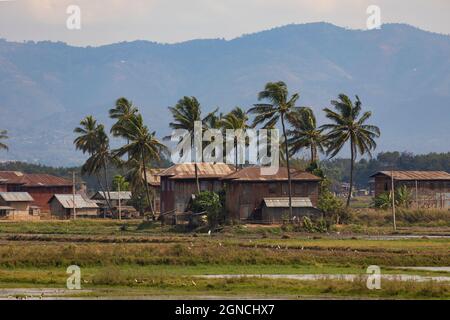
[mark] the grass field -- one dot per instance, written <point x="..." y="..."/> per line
<point x="133" y="259"/>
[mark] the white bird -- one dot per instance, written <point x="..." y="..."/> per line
<point x="209" y="232"/>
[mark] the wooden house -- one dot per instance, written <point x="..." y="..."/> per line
<point x="41" y="187"/>
<point x="178" y="183"/>
<point x="247" y="188"/>
<point x="17" y="206"/>
<point x="428" y="189"/>
<point x="62" y="206"/>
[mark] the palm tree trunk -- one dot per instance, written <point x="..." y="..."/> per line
<point x="105" y="173"/>
<point x="147" y="191"/>
<point x="196" y="177"/>
<point x="352" y="160"/>
<point x="99" y="181"/>
<point x="313" y="154"/>
<point x="288" y="166"/>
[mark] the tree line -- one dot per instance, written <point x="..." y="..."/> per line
<point x="276" y="106"/>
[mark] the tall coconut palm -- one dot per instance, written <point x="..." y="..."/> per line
<point x="185" y="113"/>
<point x="123" y="110"/>
<point x="305" y="134"/>
<point x="92" y="139"/>
<point x="3" y="136"/>
<point x="236" y="120"/>
<point x="142" y="145"/>
<point x="279" y="106"/>
<point x="349" y="127"/>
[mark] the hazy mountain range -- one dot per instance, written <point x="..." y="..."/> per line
<point x="401" y="73"/>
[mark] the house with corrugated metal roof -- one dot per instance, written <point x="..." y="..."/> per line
<point x="249" y="190"/>
<point x="275" y="210"/>
<point x="40" y="186"/>
<point x="429" y="189"/>
<point x="17" y="206"/>
<point x="62" y="206"/>
<point x="178" y="183"/>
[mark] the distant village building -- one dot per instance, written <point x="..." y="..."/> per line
<point x="429" y="189"/>
<point x="248" y="191"/>
<point x="100" y="197"/>
<point x="62" y="206"/>
<point x="17" y="206"/>
<point x="41" y="187"/>
<point x="178" y="183"/>
<point x="275" y="210"/>
<point x="119" y="202"/>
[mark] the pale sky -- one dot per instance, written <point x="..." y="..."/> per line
<point x="109" y="21"/>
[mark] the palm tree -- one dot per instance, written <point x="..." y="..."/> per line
<point x="305" y="133"/>
<point x="124" y="110"/>
<point x="236" y="120"/>
<point x="142" y="146"/>
<point x="3" y="136"/>
<point x="92" y="139"/>
<point x="349" y="127"/>
<point x="279" y="107"/>
<point x="185" y="113"/>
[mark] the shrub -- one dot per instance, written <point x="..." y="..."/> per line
<point x="309" y="226"/>
<point x="209" y="202"/>
<point x="403" y="199"/>
<point x="332" y="207"/>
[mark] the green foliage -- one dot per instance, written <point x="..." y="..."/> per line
<point x="383" y="201"/>
<point x="309" y="226"/>
<point x="139" y="200"/>
<point x="332" y="207"/>
<point x="210" y="202"/>
<point x="120" y="183"/>
<point x="403" y="198"/>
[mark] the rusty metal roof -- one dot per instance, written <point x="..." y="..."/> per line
<point x="254" y="174"/>
<point x="33" y="179"/>
<point x="153" y="177"/>
<point x="415" y="175"/>
<point x="205" y="170"/>
<point x="66" y="200"/>
<point x="113" y="195"/>
<point x="16" y="196"/>
<point x="11" y="177"/>
<point x="283" y="202"/>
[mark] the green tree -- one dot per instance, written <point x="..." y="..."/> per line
<point x="279" y="107"/>
<point x="142" y="146"/>
<point x="122" y="112"/>
<point x="236" y="120"/>
<point x="120" y="183"/>
<point x="349" y="127"/>
<point x="305" y="133"/>
<point x="210" y="202"/>
<point x="3" y="136"/>
<point x="185" y="113"/>
<point x="93" y="140"/>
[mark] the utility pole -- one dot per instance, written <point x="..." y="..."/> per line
<point x="73" y="196"/>
<point x="393" y="200"/>
<point x="120" y="206"/>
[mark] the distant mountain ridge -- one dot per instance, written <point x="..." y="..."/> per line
<point x="400" y="72"/>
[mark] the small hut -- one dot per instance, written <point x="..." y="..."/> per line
<point x="62" y="206"/>
<point x="275" y="210"/>
<point x="17" y="206"/>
